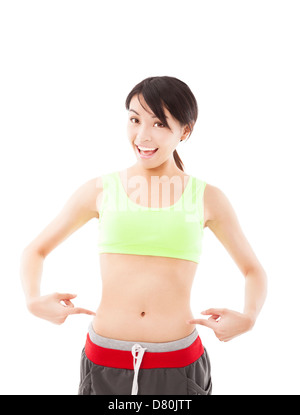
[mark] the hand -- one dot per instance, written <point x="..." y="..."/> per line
<point x="50" y="307"/>
<point x="225" y="323"/>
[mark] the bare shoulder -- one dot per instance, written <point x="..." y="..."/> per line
<point x="216" y="205"/>
<point x="90" y="192"/>
<point x="84" y="199"/>
<point x="86" y="195"/>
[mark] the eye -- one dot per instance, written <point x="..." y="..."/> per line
<point x="160" y="124"/>
<point x="134" y="120"/>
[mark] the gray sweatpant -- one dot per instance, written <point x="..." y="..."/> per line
<point x="103" y="379"/>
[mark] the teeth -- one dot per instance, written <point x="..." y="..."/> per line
<point x="146" y="148"/>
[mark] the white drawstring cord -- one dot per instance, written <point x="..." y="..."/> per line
<point x="137" y="360"/>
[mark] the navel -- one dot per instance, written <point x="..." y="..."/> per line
<point x="143" y="313"/>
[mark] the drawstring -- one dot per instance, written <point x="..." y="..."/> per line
<point x="137" y="360"/>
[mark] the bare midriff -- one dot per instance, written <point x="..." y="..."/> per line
<point x="144" y="298"/>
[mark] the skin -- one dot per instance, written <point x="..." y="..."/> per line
<point x="147" y="298"/>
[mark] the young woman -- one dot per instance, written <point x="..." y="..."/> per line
<point x="143" y="337"/>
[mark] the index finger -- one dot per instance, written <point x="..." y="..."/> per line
<point x="79" y="310"/>
<point x="203" y="322"/>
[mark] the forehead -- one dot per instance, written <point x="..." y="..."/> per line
<point x="139" y="104"/>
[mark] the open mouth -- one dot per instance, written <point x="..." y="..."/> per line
<point x="146" y="152"/>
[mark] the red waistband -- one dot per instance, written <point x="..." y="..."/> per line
<point x="123" y="359"/>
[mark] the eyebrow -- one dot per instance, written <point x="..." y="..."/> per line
<point x="153" y="116"/>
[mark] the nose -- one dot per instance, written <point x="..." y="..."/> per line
<point x="143" y="134"/>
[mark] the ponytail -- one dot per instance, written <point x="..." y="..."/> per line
<point x="178" y="160"/>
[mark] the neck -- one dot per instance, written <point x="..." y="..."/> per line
<point x="168" y="168"/>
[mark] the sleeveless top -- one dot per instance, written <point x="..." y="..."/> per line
<point x="126" y="227"/>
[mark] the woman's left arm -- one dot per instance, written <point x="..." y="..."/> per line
<point x="221" y="219"/>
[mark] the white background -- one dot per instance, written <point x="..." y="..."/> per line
<point x="66" y="69"/>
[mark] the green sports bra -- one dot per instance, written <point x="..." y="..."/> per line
<point x="126" y="227"/>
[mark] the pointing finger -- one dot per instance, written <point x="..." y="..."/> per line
<point x="207" y="323"/>
<point x="79" y="310"/>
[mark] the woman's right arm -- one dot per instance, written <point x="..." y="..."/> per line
<point x="79" y="209"/>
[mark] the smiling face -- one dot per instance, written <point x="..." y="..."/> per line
<point x="153" y="141"/>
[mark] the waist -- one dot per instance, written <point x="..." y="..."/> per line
<point x="144" y="324"/>
<point x="118" y="353"/>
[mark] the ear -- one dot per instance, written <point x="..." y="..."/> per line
<point x="186" y="132"/>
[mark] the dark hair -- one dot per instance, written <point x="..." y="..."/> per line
<point x="175" y="95"/>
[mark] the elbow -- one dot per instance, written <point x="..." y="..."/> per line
<point x="33" y="249"/>
<point x="263" y="277"/>
<point x="256" y="270"/>
<point x="259" y="274"/>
